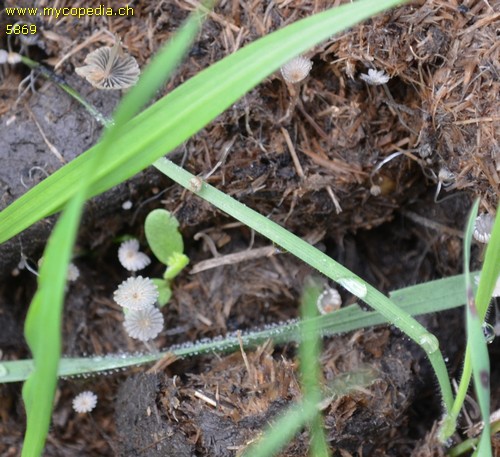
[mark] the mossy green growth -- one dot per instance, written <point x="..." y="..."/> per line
<point x="165" y="240"/>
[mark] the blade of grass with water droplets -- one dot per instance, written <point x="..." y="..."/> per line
<point x="325" y="265"/>
<point x="433" y="296"/>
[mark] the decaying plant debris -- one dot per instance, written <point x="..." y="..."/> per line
<point x="328" y="158"/>
<point x="220" y="412"/>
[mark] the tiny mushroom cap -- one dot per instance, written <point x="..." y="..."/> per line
<point x="136" y="293"/>
<point x="85" y="402"/>
<point x="110" y="68"/>
<point x="73" y="272"/>
<point x="130" y="257"/>
<point x="375" y="190"/>
<point x="329" y="301"/>
<point x="144" y="324"/>
<point x="13" y="58"/>
<point x="126" y="205"/>
<point x="375" y="77"/>
<point x="483" y="227"/>
<point x="296" y="70"/>
<point x="446" y="176"/>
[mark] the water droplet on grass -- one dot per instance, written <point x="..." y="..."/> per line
<point x="3" y="370"/>
<point x="429" y="343"/>
<point x="355" y="286"/>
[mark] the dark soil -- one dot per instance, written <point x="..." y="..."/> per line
<point x="439" y="111"/>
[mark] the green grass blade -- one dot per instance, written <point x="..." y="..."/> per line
<point x="43" y="329"/>
<point x="490" y="271"/>
<point x="489" y="274"/>
<point x="471" y="443"/>
<point x="419" y="299"/>
<point x="477" y="344"/>
<point x="431" y="296"/>
<point x="310" y="369"/>
<point x="325" y="265"/>
<point x="176" y="117"/>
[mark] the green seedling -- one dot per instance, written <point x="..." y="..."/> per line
<point x="165" y="240"/>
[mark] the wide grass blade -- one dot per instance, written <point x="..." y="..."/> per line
<point x="43" y="329"/>
<point x="183" y="112"/>
<point x="156" y="73"/>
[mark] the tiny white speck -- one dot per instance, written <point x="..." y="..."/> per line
<point x="375" y="77"/>
<point x="136" y="293"/>
<point x="375" y="190"/>
<point x="85" y="402"/>
<point x="144" y="324"/>
<point x="127" y="205"/>
<point x="195" y="184"/>
<point x="446" y="176"/>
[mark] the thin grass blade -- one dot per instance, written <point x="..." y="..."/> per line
<point x="325" y="265"/>
<point x="419" y="299"/>
<point x="489" y="275"/>
<point x="310" y="369"/>
<point x="477" y="344"/>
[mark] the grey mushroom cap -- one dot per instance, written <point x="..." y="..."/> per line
<point x="107" y="69"/>
<point x="483" y="227"/>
